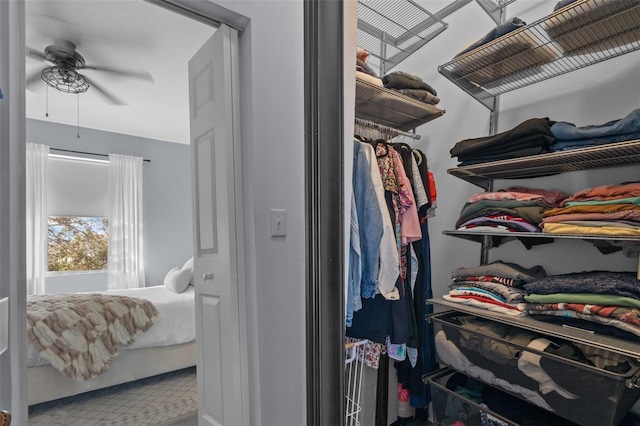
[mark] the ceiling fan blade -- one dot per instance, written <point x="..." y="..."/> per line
<point x="33" y="78"/>
<point x="35" y="53"/>
<point x="51" y="18"/>
<point x="143" y="75"/>
<point x="108" y="95"/>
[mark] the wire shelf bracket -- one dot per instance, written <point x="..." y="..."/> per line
<point x="494" y="8"/>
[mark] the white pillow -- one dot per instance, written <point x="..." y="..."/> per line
<point x="189" y="265"/>
<point x="177" y="280"/>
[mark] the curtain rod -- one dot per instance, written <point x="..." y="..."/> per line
<point x="87" y="153"/>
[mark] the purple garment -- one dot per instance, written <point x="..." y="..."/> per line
<point x="511" y="224"/>
<point x="502" y="269"/>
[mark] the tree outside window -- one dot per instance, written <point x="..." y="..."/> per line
<point x="77" y="243"/>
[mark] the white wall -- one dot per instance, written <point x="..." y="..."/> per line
<point x="272" y="96"/>
<point x="75" y="282"/>
<point x="593" y="95"/>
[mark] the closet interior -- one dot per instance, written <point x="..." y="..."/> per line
<point x="484" y="365"/>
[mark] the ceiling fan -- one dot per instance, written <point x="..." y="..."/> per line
<point x="63" y="75"/>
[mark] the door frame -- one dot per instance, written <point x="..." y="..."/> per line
<point x="13" y="368"/>
<point x="323" y="181"/>
<point x="13" y="363"/>
<point x="324" y="194"/>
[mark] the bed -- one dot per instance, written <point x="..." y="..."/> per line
<point x="168" y="345"/>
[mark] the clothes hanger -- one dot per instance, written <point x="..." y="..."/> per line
<point x="381" y="143"/>
<point x="418" y="154"/>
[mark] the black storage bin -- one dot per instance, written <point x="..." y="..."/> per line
<point x="542" y="370"/>
<point x="450" y="391"/>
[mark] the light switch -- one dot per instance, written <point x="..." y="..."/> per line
<point x="278" y="222"/>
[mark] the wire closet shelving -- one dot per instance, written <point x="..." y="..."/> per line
<point x="391" y="108"/>
<point x="583" y="33"/>
<point x="609" y="155"/>
<point x="393" y="30"/>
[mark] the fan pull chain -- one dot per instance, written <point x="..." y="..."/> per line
<point x="78" y="97"/>
<point x="46" y="95"/>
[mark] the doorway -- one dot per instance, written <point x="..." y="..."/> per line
<point x="90" y="139"/>
<point x="292" y="139"/>
<point x="153" y="6"/>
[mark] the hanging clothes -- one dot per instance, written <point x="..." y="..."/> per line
<point x="389" y="257"/>
<point x="366" y="234"/>
<point x="405" y="196"/>
<point x="410" y="373"/>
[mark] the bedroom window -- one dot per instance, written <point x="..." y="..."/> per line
<point x="77" y="243"/>
<point x="77" y="211"/>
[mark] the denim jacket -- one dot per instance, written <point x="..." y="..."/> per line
<point x="366" y="226"/>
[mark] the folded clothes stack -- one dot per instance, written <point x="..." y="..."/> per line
<point x="569" y="136"/>
<point x="497" y="286"/>
<point x="612" y="210"/>
<point x="530" y="137"/>
<point x="363" y="70"/>
<point x="516" y="209"/>
<point x="411" y="85"/>
<point x="605" y="302"/>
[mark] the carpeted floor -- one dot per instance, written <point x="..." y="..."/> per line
<point x="162" y="400"/>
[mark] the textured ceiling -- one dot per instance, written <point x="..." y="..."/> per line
<point x="124" y="34"/>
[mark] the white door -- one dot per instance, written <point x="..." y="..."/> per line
<point x="218" y="249"/>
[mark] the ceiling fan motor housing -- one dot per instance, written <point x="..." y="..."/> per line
<point x="63" y="53"/>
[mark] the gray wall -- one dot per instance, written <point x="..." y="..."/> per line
<point x="168" y="240"/>
<point x="272" y="103"/>
<point x="592" y="95"/>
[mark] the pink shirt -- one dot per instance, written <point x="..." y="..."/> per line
<point x="409" y="223"/>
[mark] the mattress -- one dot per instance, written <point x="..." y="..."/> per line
<point x="175" y="324"/>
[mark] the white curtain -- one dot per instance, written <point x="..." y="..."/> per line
<point x="36" y="212"/>
<point x="126" y="262"/>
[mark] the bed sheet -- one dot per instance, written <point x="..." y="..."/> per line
<point x="176" y="322"/>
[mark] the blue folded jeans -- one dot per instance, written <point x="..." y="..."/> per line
<point x="562" y="3"/>
<point x="498" y="31"/>
<point x="562" y="130"/>
<point x="566" y="145"/>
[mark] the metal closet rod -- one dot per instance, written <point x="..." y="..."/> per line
<point x="382" y="128"/>
<point x="87" y="153"/>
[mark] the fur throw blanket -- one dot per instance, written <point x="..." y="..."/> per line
<point x="81" y="334"/>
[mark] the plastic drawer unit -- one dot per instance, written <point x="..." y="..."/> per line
<point x="457" y="397"/>
<point x="584" y="384"/>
